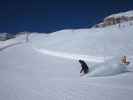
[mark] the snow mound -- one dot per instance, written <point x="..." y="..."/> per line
<point x="108" y="68"/>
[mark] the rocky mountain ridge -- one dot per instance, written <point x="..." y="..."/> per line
<point x="117" y="19"/>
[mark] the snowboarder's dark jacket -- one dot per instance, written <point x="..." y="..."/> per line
<point x="84" y="66"/>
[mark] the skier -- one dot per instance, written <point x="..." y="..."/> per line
<point x="84" y="66"/>
<point x="124" y="60"/>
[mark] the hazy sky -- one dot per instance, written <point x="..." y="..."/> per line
<point x="53" y="15"/>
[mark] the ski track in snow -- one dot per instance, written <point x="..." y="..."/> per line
<point x="75" y="56"/>
<point x="71" y="56"/>
<point x="64" y="55"/>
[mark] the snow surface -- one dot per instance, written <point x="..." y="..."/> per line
<point x="109" y="41"/>
<point x="47" y="67"/>
<point x="71" y="56"/>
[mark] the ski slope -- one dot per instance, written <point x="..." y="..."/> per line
<point x="31" y="75"/>
<point x="109" y="41"/>
<point x="47" y="67"/>
<point x="101" y="69"/>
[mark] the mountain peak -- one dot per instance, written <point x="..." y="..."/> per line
<point x="125" y="14"/>
<point x="116" y="19"/>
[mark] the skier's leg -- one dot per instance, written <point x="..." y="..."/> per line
<point x="81" y="70"/>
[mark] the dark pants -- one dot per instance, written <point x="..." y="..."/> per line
<point x="85" y="71"/>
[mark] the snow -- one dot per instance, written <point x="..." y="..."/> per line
<point x="126" y="14"/>
<point x="11" y="42"/>
<point x="3" y="34"/>
<point x="47" y="67"/>
<point x="110" y="67"/>
<point x="71" y="56"/>
<point x="118" y="41"/>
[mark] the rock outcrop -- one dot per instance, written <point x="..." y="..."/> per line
<point x="116" y="19"/>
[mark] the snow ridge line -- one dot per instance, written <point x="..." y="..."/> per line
<point x="71" y="56"/>
<point x="10" y="45"/>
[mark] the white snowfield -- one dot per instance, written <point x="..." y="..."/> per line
<point x="47" y="67"/>
<point x="28" y="74"/>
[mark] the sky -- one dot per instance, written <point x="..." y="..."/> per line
<point x="52" y="15"/>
